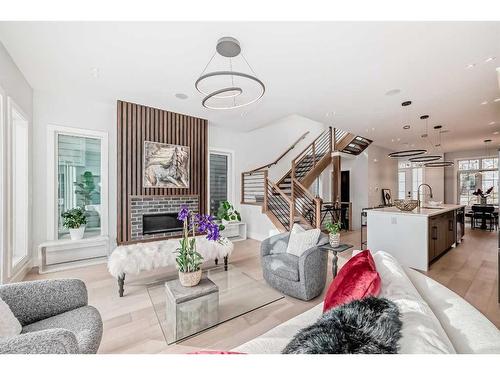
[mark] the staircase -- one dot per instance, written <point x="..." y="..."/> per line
<point x="289" y="201"/>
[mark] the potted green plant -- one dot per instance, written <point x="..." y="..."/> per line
<point x="188" y="260"/>
<point x="334" y="233"/>
<point x="75" y="220"/>
<point x="227" y="214"/>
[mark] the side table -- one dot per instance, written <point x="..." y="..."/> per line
<point x="335" y="250"/>
<point x="190" y="310"/>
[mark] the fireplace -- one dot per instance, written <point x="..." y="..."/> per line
<point x="160" y="223"/>
<point x="154" y="217"/>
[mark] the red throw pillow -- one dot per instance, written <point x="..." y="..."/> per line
<point x="357" y="279"/>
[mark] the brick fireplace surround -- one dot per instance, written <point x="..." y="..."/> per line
<point x="147" y="204"/>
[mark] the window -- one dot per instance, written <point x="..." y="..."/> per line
<point x="477" y="173"/>
<point x="416" y="180"/>
<point x="78" y="177"/>
<point x="401" y="185"/>
<point x="220" y="179"/>
<point x="79" y="180"/>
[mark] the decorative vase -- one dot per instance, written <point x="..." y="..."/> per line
<point x="334" y="240"/>
<point x="190" y="279"/>
<point x="77" y="233"/>
<point x="484" y="201"/>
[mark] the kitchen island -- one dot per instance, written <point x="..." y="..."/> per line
<point x="416" y="238"/>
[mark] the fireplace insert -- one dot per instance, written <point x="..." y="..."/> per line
<point x="161" y="223"/>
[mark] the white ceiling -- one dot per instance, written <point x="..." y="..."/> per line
<point x="310" y="69"/>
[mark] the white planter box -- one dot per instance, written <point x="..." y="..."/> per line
<point x="235" y="231"/>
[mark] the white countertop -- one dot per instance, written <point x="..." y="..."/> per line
<point x="417" y="211"/>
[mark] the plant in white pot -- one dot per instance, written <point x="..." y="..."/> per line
<point x="188" y="260"/>
<point x="227" y="214"/>
<point x="75" y="220"/>
<point x="334" y="233"/>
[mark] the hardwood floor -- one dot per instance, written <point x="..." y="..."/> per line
<point x="131" y="326"/>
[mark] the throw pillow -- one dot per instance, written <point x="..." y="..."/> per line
<point x="9" y="325"/>
<point x="302" y="240"/>
<point x="357" y="279"/>
<point x="368" y="326"/>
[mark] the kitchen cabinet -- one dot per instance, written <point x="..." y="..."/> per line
<point x="442" y="234"/>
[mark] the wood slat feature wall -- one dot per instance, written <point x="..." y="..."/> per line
<point x="138" y="123"/>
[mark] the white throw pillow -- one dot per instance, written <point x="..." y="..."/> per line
<point x="9" y="325"/>
<point x="302" y="240"/>
<point x="422" y="332"/>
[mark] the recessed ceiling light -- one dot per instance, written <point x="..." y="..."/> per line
<point x="489" y="59"/>
<point x="373" y="129"/>
<point x="393" y="92"/>
<point x="399" y="139"/>
<point x="375" y="160"/>
<point x="470" y="66"/>
<point x="180" y="95"/>
<point x="406" y="127"/>
<point x="330" y="114"/>
<point x="94" y="72"/>
<point x="496" y="100"/>
<point x="495" y="133"/>
<point x="392" y="140"/>
<point x="492" y="123"/>
<point x="484" y="103"/>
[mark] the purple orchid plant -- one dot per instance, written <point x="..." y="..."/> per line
<point x="188" y="259"/>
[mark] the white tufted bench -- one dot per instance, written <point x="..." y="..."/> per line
<point x="146" y="256"/>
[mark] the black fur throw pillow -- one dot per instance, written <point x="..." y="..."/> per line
<point x="367" y="326"/>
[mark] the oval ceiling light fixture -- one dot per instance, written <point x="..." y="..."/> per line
<point x="424" y="159"/>
<point x="231" y="87"/>
<point x="439" y="164"/>
<point x="406" y="153"/>
<point x="181" y="96"/>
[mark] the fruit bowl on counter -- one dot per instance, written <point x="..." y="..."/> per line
<point x="406" y="204"/>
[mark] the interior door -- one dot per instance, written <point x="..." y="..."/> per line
<point x="345" y="186"/>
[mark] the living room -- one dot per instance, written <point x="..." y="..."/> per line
<point x="249" y="187"/>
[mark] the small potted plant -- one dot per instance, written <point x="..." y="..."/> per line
<point x="188" y="260"/>
<point x="483" y="196"/>
<point x="227" y="214"/>
<point x="334" y="233"/>
<point x="75" y="220"/>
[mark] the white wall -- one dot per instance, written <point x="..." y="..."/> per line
<point x="15" y="86"/>
<point x="382" y="174"/>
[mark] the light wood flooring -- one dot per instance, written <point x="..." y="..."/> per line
<point x="131" y="326"/>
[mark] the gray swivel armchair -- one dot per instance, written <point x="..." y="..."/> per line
<point x="55" y="317"/>
<point x="301" y="277"/>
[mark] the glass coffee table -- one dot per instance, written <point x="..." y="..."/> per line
<point x="335" y="250"/>
<point x="222" y="296"/>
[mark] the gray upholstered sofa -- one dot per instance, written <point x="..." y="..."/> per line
<point x="301" y="277"/>
<point x="55" y="317"/>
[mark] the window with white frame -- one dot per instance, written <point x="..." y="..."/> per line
<point x="417" y="179"/>
<point x="477" y="173"/>
<point x="78" y="161"/>
<point x="410" y="176"/>
<point x="220" y="172"/>
<point x="401" y="185"/>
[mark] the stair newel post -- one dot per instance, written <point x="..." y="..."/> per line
<point x="317" y="203"/>
<point x="243" y="187"/>
<point x="264" y="208"/>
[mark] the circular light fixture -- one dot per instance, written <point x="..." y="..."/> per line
<point x="424" y="117"/>
<point x="229" y="89"/>
<point x="406" y="153"/>
<point x="180" y="95"/>
<point x="487" y="141"/>
<point x="439" y="164"/>
<point x="406" y="127"/>
<point x="406" y="104"/>
<point x="437" y="127"/>
<point x="424" y="159"/>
